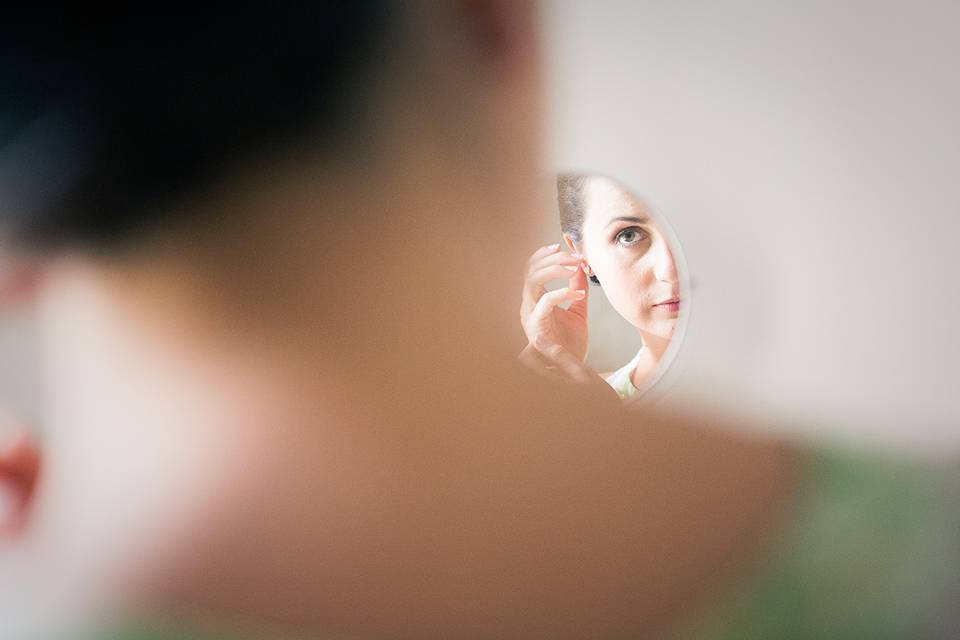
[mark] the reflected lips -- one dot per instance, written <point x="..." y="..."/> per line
<point x="672" y="305"/>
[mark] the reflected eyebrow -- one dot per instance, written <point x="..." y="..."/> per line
<point x="627" y="219"/>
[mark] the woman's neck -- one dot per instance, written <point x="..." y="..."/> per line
<point x="650" y="357"/>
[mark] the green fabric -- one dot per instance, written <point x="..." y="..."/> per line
<point x="861" y="559"/>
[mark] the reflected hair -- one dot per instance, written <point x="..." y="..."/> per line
<point x="571" y="202"/>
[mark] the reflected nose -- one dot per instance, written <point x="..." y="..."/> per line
<point x="664" y="267"/>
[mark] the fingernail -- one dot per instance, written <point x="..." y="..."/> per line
<point x="570" y="268"/>
<point x="576" y="255"/>
<point x="580" y="293"/>
<point x="553" y="247"/>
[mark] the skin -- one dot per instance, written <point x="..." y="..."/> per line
<point x="628" y="252"/>
<point x="540" y="313"/>
<point x="311" y="424"/>
<point x="631" y="257"/>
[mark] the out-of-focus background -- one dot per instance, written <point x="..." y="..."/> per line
<point x="19" y="373"/>
<point x="807" y="155"/>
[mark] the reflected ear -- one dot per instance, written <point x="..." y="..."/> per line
<point x="19" y="474"/>
<point x="574" y="248"/>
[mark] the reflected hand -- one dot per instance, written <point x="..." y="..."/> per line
<point x="540" y="311"/>
<point x="555" y="362"/>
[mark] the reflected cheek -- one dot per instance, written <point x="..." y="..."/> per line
<point x="621" y="287"/>
<point x="643" y="294"/>
<point x="642" y="282"/>
<point x="626" y="280"/>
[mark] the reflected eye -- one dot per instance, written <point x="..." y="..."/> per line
<point x="631" y="236"/>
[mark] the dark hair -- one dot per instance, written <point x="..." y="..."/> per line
<point x="106" y="122"/>
<point x="571" y="201"/>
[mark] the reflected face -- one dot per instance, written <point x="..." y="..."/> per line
<point x="630" y="256"/>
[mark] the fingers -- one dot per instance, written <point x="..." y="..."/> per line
<point x="541" y="252"/>
<point x="578" y="282"/>
<point x="559" y="257"/>
<point x="547" y="263"/>
<point x="534" y="286"/>
<point x="538" y="318"/>
<point x="552" y="299"/>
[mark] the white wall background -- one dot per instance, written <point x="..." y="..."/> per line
<point x="807" y="155"/>
<point x="19" y="388"/>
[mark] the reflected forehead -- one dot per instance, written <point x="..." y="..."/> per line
<point x="607" y="201"/>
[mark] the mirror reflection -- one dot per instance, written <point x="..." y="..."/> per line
<point x="612" y="246"/>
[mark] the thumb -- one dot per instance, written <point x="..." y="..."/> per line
<point x="578" y="282"/>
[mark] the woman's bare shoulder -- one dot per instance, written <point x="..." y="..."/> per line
<point x="635" y="516"/>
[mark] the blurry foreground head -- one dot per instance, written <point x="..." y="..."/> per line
<point x="240" y="231"/>
<point x="272" y="259"/>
